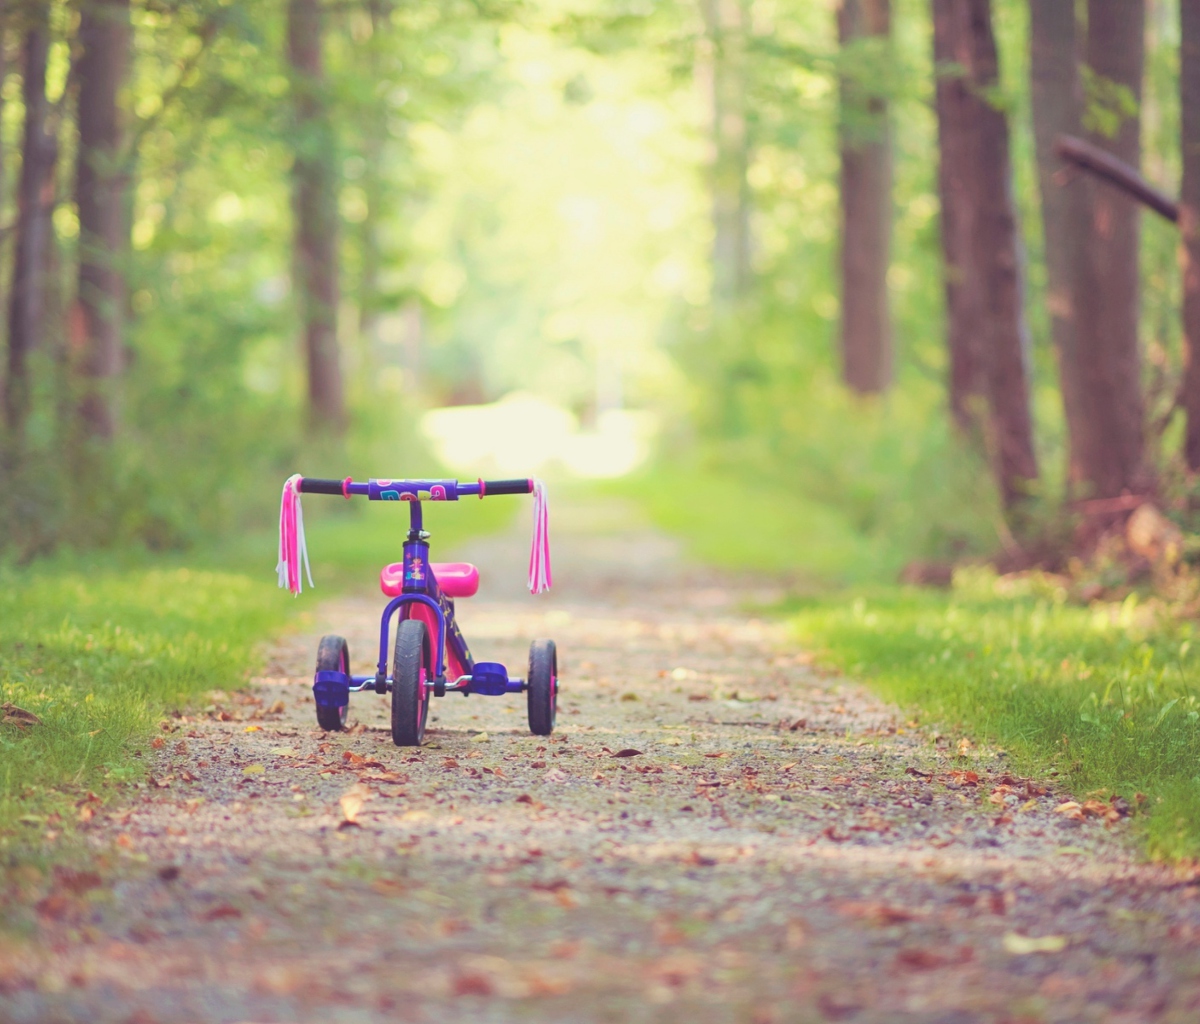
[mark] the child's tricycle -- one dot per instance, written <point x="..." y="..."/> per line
<point x="430" y="652"/>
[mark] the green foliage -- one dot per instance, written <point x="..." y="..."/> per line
<point x="1107" y="104"/>
<point x="1104" y="696"/>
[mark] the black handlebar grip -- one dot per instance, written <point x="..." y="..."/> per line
<point x="491" y="487"/>
<point x="310" y="485"/>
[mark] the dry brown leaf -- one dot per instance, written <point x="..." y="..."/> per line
<point x="378" y="776"/>
<point x="352" y="801"/>
<point x="789" y="766"/>
<point x="628" y="752"/>
<point x="19" y="717"/>
<point x="879" y="913"/>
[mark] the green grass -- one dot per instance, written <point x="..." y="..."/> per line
<point x="1106" y="696"/>
<point x="741" y="525"/>
<point x="98" y="657"/>
<point x="99" y="648"/>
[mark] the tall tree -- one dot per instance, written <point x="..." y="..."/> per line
<point x="314" y="197"/>
<point x="725" y="38"/>
<point x="955" y="105"/>
<point x="983" y="257"/>
<point x="1057" y="107"/>
<point x="1189" y="218"/>
<point x="1105" y="294"/>
<point x="35" y="188"/>
<point x="866" y="196"/>
<point x="100" y="71"/>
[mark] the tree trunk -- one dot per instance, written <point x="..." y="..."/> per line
<point x="100" y="194"/>
<point x="956" y="169"/>
<point x="34" y="192"/>
<point x="1105" y="280"/>
<point x="314" y="181"/>
<point x="989" y="343"/>
<point x="866" y="194"/>
<point x="1057" y="96"/>
<point x="374" y="190"/>
<point x="997" y="251"/>
<point x="1189" y="219"/>
<point x="725" y="26"/>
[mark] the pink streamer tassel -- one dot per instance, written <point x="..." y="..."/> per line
<point x="540" y="577"/>
<point x="292" y="549"/>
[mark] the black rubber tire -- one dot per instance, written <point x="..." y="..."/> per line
<point x="542" y="687"/>
<point x="333" y="655"/>
<point x="410" y="687"/>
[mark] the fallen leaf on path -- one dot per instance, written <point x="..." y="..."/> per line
<point x="918" y="773"/>
<point x="1070" y="809"/>
<point x="832" y="834"/>
<point x="628" y="752"/>
<point x="284" y="751"/>
<point x="878" y="913"/>
<point x="789" y="766"/>
<point x="965" y="778"/>
<point x="19" y="717"/>
<point x="221" y="912"/>
<point x="158" y="743"/>
<point x="929" y="960"/>
<point x="377" y="776"/>
<point x="1020" y="945"/>
<point x="481" y="737"/>
<point x="352" y="801"/>
<point x="75" y="881"/>
<point x="158" y="783"/>
<point x="473" y="983"/>
<point x="253" y="769"/>
<point x="253" y="728"/>
<point x="721" y="754"/>
<point x="964" y="747"/>
<point x="388" y="886"/>
<point x="555" y="775"/>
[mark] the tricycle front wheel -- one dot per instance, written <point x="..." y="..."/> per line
<point x="542" y="687"/>
<point x="410" y="689"/>
<point x="333" y="655"/>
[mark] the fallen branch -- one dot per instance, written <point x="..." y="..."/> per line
<point x="1116" y="172"/>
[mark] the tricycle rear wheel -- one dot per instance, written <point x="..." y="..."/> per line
<point x="542" y="686"/>
<point x="333" y="655"/>
<point x="410" y="688"/>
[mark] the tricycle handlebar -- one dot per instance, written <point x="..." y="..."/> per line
<point x="414" y="490"/>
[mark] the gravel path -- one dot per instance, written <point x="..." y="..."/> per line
<point x="781" y="848"/>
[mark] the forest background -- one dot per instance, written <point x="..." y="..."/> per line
<point x="815" y="244"/>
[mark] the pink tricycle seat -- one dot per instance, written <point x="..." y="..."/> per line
<point x="457" y="579"/>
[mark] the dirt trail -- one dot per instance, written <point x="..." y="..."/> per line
<point x="783" y="848"/>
